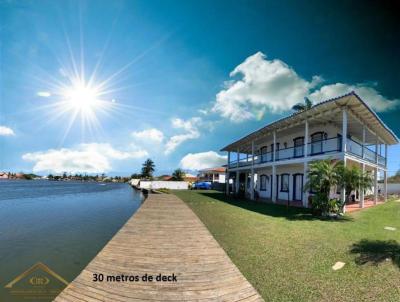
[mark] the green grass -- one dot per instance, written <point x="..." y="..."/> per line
<point x="288" y="255"/>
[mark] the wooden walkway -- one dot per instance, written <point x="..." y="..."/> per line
<point x="163" y="236"/>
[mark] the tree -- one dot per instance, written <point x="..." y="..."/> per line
<point x="322" y="176"/>
<point x="352" y="178"/>
<point x="303" y="106"/>
<point x="148" y="168"/>
<point x="327" y="174"/>
<point x="178" y="174"/>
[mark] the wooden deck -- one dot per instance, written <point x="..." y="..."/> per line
<point x="163" y="236"/>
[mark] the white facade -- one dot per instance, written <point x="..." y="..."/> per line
<point x="272" y="163"/>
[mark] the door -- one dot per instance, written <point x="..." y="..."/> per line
<point x="298" y="187"/>
<point x="298" y="147"/>
<point x="316" y="142"/>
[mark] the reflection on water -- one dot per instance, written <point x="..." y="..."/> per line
<point x="62" y="224"/>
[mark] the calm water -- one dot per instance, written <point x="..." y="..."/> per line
<point x="62" y="224"/>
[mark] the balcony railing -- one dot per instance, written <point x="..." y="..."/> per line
<point x="325" y="146"/>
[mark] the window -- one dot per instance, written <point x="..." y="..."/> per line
<point x="316" y="142"/>
<point x="277" y="151"/>
<point x="298" y="146"/>
<point x="284" y="182"/>
<point x="272" y="151"/>
<point x="285" y="145"/>
<point x="263" y="152"/>
<point x="263" y="182"/>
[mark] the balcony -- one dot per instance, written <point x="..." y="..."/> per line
<point x="325" y="146"/>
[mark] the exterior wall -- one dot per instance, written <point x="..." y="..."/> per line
<point x="289" y="169"/>
<point x="159" y="184"/>
<point x="288" y="138"/>
<point x="267" y="192"/>
<point x="221" y="178"/>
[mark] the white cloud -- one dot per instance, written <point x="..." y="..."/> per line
<point x="202" y="160"/>
<point x="6" y="131"/>
<point x="369" y="94"/>
<point x="90" y="158"/>
<point x="265" y="84"/>
<point x="272" y="85"/>
<point x="190" y="127"/>
<point x="44" y="94"/>
<point x="152" y="134"/>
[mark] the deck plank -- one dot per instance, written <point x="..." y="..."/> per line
<point x="163" y="236"/>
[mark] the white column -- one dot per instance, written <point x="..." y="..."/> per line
<point x="227" y="173"/>
<point x="252" y="172"/>
<point x="361" y="189"/>
<point x="376" y="186"/>
<point x="386" y="153"/>
<point x="343" y="191"/>
<point x="306" y="139"/>
<point x="385" y="185"/>
<point x="273" y="197"/>
<point x="274" y="150"/>
<point x="344" y="129"/>
<point x="363" y="141"/>
<point x="376" y="150"/>
<point x="305" y="179"/>
<point x="237" y="182"/>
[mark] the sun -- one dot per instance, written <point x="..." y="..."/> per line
<point x="82" y="98"/>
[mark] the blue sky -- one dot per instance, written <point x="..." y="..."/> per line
<point x="181" y="79"/>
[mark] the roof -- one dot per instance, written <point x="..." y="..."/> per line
<point x="216" y="169"/>
<point x="357" y="107"/>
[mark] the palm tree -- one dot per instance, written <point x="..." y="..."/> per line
<point x="323" y="175"/>
<point x="178" y="174"/>
<point x="148" y="168"/>
<point x="352" y="178"/>
<point x="303" y="106"/>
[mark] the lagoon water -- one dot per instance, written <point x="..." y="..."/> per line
<point x="61" y="224"/>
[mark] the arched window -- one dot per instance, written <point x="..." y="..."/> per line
<point x="264" y="180"/>
<point x="263" y="153"/>
<point x="298" y="146"/>
<point x="317" y="139"/>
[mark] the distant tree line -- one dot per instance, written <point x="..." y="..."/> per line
<point x="148" y="168"/>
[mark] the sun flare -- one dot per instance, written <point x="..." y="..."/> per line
<point x="82" y="98"/>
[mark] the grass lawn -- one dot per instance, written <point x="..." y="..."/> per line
<point x="288" y="255"/>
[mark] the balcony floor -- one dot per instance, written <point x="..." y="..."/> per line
<point x="368" y="203"/>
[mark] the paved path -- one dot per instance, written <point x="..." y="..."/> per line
<point x="163" y="236"/>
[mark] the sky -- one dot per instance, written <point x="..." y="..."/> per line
<point x="176" y="81"/>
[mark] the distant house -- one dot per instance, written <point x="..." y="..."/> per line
<point x="4" y="175"/>
<point x="272" y="162"/>
<point x="216" y="174"/>
<point x="190" y="177"/>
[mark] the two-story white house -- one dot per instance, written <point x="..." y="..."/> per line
<point x="272" y="163"/>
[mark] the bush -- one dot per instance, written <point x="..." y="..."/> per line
<point x="322" y="205"/>
<point x="164" y="190"/>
